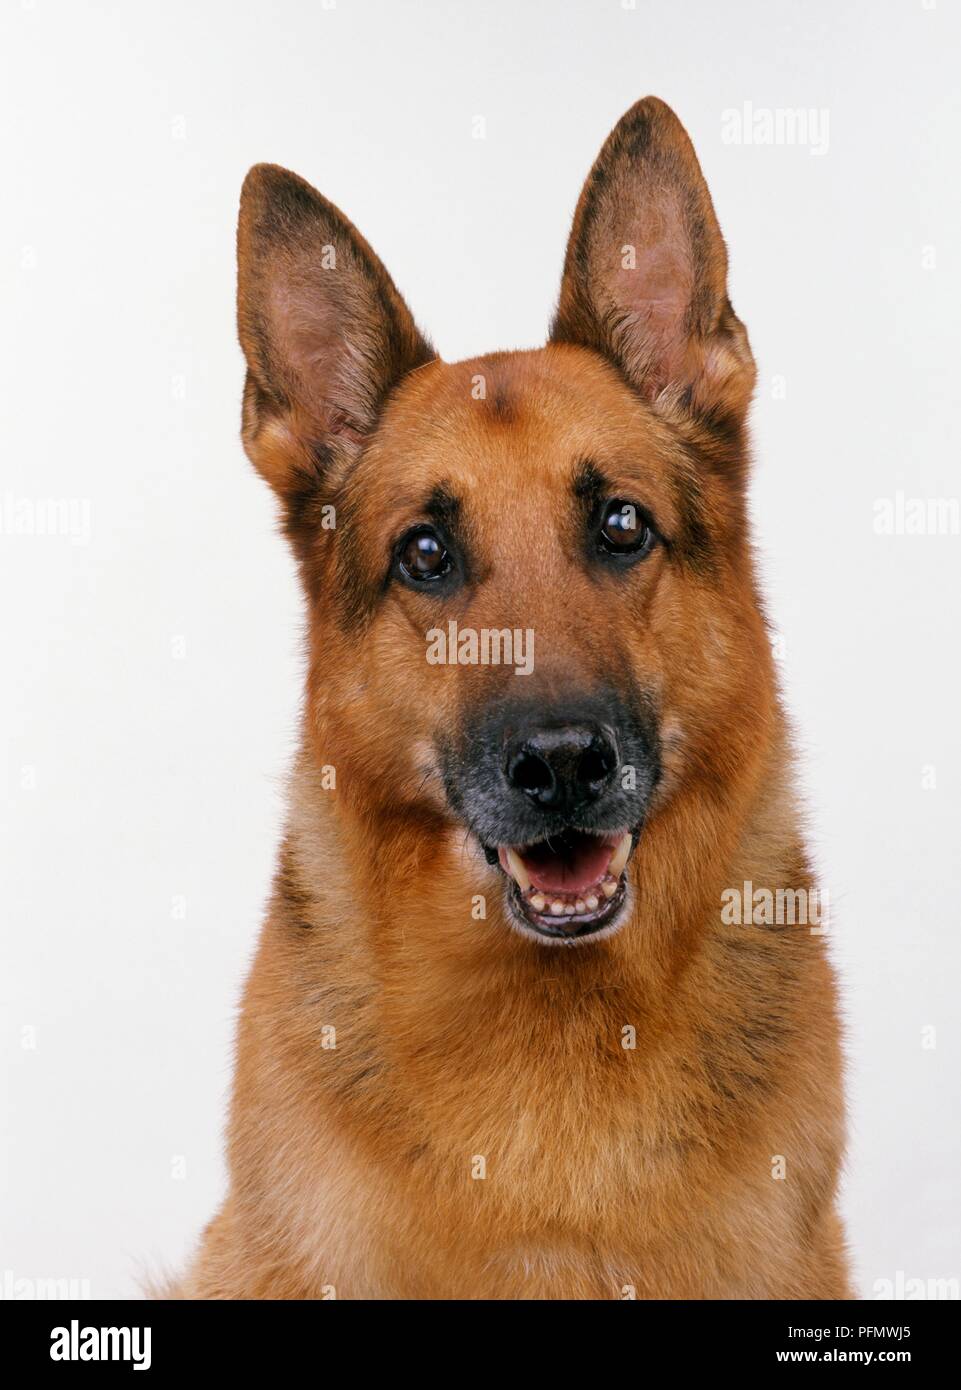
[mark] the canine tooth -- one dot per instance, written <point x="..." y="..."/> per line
<point x="591" y="902"/>
<point x="557" y="908"/>
<point x="538" y="902"/>
<point x="516" y="865"/>
<point x="609" y="887"/>
<point x="619" y="857"/>
<point x="581" y="905"/>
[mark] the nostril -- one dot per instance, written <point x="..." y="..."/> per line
<point x="569" y="764"/>
<point x="596" y="764"/>
<point x="593" y="769"/>
<point x="530" y="773"/>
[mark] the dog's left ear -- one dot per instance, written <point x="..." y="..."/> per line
<point x="645" y="277"/>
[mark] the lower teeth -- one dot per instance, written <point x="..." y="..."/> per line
<point x="559" y="907"/>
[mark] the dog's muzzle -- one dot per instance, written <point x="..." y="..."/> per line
<point x="557" y="798"/>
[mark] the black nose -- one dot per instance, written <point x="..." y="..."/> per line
<point x="562" y="768"/>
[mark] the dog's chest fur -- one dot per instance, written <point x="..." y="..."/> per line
<point x="557" y="1128"/>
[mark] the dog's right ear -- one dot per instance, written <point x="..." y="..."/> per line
<point x="324" y="330"/>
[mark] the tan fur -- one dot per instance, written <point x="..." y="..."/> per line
<point x="610" y="1171"/>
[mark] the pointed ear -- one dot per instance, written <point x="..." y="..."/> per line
<point x="645" y="278"/>
<point x="324" y="331"/>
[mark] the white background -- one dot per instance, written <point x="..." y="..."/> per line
<point x="152" y="665"/>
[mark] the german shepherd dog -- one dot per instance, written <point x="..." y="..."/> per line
<point x="500" y="1040"/>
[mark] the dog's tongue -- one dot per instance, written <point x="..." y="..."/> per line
<point x="573" y="866"/>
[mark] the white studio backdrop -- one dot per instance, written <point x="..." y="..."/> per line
<point x="151" y="645"/>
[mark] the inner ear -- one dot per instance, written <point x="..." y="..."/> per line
<point x="324" y="330"/>
<point x="645" y="275"/>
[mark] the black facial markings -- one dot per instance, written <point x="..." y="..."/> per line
<point x="694" y="545"/>
<point x="443" y="508"/>
<point x="443" y="514"/>
<point x="593" y="492"/>
<point x="303" y="502"/>
<point x="501" y="404"/>
<point x="473" y="768"/>
<point x="590" y="486"/>
<point x="357" y="595"/>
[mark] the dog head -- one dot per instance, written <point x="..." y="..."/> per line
<point x="531" y="606"/>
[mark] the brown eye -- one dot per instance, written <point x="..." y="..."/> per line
<point x="624" y="530"/>
<point x="422" y="555"/>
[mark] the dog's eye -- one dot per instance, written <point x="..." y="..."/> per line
<point x="422" y="555"/>
<point x="625" y="530"/>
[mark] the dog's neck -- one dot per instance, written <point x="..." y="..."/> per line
<point x="449" y="1029"/>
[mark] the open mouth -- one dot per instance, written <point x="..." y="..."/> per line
<point x="570" y="885"/>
